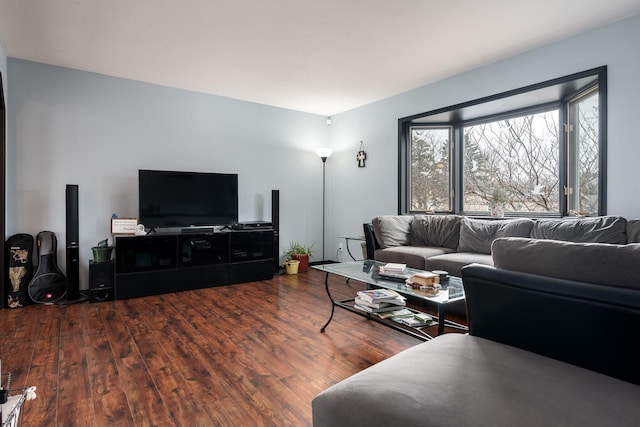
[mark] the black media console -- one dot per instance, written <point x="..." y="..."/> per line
<point x="163" y="263"/>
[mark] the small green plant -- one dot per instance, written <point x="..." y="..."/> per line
<point x="296" y="248"/>
<point x="103" y="244"/>
<point x="499" y="197"/>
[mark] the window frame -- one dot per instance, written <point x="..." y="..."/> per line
<point x="555" y="93"/>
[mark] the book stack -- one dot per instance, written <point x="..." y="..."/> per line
<point x="425" y="281"/>
<point x="393" y="267"/>
<point x="379" y="301"/>
<point x="417" y="320"/>
<point x="393" y="271"/>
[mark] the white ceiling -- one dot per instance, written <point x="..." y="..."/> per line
<point x="318" y="56"/>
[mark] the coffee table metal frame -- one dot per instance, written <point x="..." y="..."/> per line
<point x="367" y="272"/>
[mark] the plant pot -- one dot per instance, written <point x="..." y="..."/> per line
<point x="304" y="261"/>
<point x="497" y="210"/>
<point x="291" y="267"/>
<point x="101" y="254"/>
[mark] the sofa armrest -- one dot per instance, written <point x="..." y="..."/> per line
<point x="589" y="325"/>
<point x="370" y="239"/>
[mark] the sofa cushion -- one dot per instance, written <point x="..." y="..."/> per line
<point x="602" y="229"/>
<point x="608" y="264"/>
<point x="392" y="230"/>
<point x="476" y="235"/>
<point x="462" y="380"/>
<point x="633" y="231"/>
<point x="413" y="256"/>
<point x="436" y="230"/>
<point x="453" y="262"/>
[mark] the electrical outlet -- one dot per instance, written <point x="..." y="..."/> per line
<point x="340" y="247"/>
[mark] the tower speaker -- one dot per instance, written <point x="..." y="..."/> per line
<point x="275" y="222"/>
<point x="101" y="278"/>
<point x="72" y="247"/>
<point x="275" y="209"/>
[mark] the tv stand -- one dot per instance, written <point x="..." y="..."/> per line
<point x="173" y="262"/>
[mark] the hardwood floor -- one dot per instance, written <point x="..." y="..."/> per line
<point x="240" y="355"/>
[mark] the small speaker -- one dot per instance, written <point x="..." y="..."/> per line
<point x="73" y="251"/>
<point x="101" y="278"/>
<point x="275" y="222"/>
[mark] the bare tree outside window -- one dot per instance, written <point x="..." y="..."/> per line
<point x="513" y="162"/>
<point x="430" y="169"/>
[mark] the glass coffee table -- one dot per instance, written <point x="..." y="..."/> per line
<point x="367" y="272"/>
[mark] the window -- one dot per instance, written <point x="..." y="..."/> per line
<point x="534" y="151"/>
<point x="583" y="152"/>
<point x="430" y="169"/>
<point x="513" y="163"/>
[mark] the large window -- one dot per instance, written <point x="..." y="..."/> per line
<point x="512" y="162"/>
<point x="536" y="151"/>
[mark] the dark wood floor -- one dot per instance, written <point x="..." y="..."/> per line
<point x="241" y="355"/>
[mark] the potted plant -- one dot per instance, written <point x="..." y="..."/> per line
<point x="498" y="201"/>
<point x="291" y="266"/>
<point x="301" y="253"/>
<point x="102" y="251"/>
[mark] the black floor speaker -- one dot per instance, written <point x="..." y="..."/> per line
<point x="73" y="294"/>
<point x="101" y="279"/>
<point x="275" y="221"/>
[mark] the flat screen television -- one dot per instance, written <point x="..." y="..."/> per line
<point x="181" y="199"/>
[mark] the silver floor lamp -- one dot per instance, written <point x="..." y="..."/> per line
<point x="324" y="154"/>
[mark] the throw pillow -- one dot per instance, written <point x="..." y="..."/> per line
<point x="602" y="229"/>
<point x="441" y="231"/>
<point x="392" y="230"/>
<point x="476" y="235"/>
<point x="633" y="231"/>
<point x="602" y="263"/>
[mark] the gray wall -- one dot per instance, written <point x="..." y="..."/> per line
<point x="356" y="195"/>
<point x="73" y="127"/>
<point x="67" y="126"/>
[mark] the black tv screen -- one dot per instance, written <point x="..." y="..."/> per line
<point x="182" y="199"/>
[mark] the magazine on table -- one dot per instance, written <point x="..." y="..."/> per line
<point x="379" y="295"/>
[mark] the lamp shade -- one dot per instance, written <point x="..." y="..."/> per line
<point x="323" y="153"/>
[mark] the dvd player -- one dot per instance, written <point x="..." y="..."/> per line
<point x="252" y="225"/>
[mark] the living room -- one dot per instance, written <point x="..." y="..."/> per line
<point x="67" y="126"/>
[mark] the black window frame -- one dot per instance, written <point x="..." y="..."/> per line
<point x="554" y="93"/>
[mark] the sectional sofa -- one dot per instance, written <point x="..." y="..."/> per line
<point x="541" y="351"/>
<point x="449" y="242"/>
<point x="552" y="314"/>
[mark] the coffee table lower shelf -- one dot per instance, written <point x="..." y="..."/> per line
<point x="416" y="332"/>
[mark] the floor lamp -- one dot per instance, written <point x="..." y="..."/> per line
<point x="324" y="154"/>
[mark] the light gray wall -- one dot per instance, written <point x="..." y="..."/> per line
<point x="74" y="127"/>
<point x="357" y="195"/>
<point x="67" y="126"/>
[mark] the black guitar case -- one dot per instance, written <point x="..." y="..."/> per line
<point x="48" y="284"/>
<point x="20" y="269"/>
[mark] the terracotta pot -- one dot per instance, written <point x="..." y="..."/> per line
<point x="304" y="261"/>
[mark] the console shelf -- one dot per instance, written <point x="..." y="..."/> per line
<point x="163" y="263"/>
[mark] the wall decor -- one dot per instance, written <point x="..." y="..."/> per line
<point x="361" y="156"/>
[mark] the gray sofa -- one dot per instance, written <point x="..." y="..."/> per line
<point x="449" y="242"/>
<point x="541" y="351"/>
